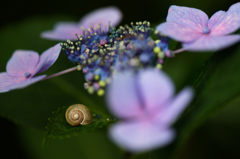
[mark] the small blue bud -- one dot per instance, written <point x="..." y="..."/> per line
<point x="206" y="30"/>
<point x="144" y="58"/>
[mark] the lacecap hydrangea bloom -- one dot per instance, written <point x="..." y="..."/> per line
<point x="146" y="106"/>
<point x="67" y="30"/>
<point x="102" y="53"/>
<point x="24" y="65"/>
<point x="197" y="32"/>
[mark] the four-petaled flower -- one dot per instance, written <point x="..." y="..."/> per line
<point x="147" y="107"/>
<point x="198" y="33"/>
<point x="23" y="65"/>
<point x="67" y="30"/>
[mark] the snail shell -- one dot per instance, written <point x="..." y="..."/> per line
<point x="78" y="114"/>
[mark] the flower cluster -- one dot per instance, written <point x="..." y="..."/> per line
<point x="93" y="51"/>
<point x="103" y="52"/>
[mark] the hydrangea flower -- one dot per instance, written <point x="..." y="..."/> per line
<point x="24" y="65"/>
<point x="199" y="33"/>
<point x="147" y="106"/>
<point x="67" y="30"/>
<point x="100" y="55"/>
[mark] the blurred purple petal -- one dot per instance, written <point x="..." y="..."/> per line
<point x="215" y="19"/>
<point x="175" y="107"/>
<point x="65" y="26"/>
<point x="63" y="31"/>
<point x="67" y="30"/>
<point x="103" y="16"/>
<point x="234" y="8"/>
<point x="122" y="96"/>
<point x="188" y="17"/>
<point x="26" y="82"/>
<point x="179" y="32"/>
<point x="140" y="136"/>
<point x="21" y="62"/>
<point x="224" y="23"/>
<point x="156" y="89"/>
<point x="150" y="128"/>
<point x="211" y="43"/>
<point x="6" y="81"/>
<point x="48" y="58"/>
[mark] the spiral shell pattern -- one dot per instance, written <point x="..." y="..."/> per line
<point x="78" y="114"/>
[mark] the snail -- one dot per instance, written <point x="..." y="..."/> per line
<point x="78" y="114"/>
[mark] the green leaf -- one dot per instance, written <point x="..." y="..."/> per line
<point x="216" y="87"/>
<point x="32" y="106"/>
<point x="58" y="126"/>
<point x="89" y="145"/>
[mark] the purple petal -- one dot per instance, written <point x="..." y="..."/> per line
<point x="122" y="96"/>
<point x="234" y="8"/>
<point x="26" y="82"/>
<point x="6" y="81"/>
<point x="156" y="89"/>
<point x="103" y="16"/>
<point x="21" y="62"/>
<point x="67" y="30"/>
<point x="140" y="136"/>
<point x="189" y="17"/>
<point x="222" y="23"/>
<point x="211" y="43"/>
<point x="215" y="19"/>
<point x="48" y="58"/>
<point x="179" y="32"/>
<point x="175" y="107"/>
<point x="63" y="31"/>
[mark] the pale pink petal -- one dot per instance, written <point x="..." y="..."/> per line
<point x="21" y="62"/>
<point x="189" y="17"/>
<point x="122" y="96"/>
<point x="155" y="89"/>
<point x="140" y="136"/>
<point x="26" y="82"/>
<point x="179" y="32"/>
<point x="48" y="58"/>
<point x="223" y="23"/>
<point x="103" y="16"/>
<point x="211" y="43"/>
<point x="175" y="107"/>
<point x="63" y="31"/>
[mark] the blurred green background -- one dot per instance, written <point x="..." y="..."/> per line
<point x="20" y="27"/>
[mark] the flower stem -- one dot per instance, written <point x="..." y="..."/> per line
<point x="178" y="51"/>
<point x="61" y="73"/>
